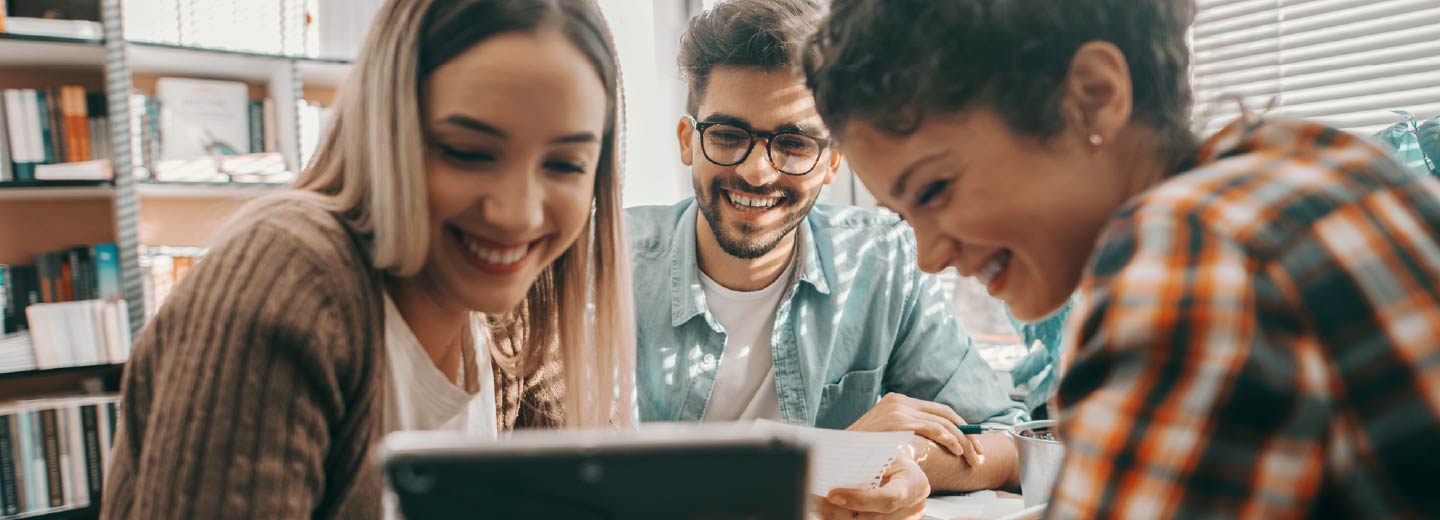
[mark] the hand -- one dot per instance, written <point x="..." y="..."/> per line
<point x="934" y="421"/>
<point x="901" y="496"/>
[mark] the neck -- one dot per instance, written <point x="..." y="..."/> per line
<point x="437" y="321"/>
<point x="1148" y="162"/>
<point x="739" y="274"/>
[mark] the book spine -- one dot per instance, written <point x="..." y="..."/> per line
<point x="24" y="131"/>
<point x="24" y="291"/>
<point x="50" y="444"/>
<point x="56" y="129"/>
<point x="30" y="478"/>
<point x="9" y="493"/>
<point x="45" y="270"/>
<point x="80" y="118"/>
<point x="65" y="291"/>
<point x="77" y="275"/>
<point x="257" y="126"/>
<point x="64" y="458"/>
<point x="78" y="468"/>
<point x="107" y="271"/>
<point x="94" y="464"/>
<point x="6" y="156"/>
<point x="6" y="311"/>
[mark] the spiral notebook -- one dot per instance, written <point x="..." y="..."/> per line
<point x="843" y="459"/>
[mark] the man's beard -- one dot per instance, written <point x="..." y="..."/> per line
<point x="746" y="240"/>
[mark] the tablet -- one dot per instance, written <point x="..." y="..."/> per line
<point x="680" y="472"/>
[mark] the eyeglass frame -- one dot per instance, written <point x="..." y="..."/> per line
<point x="769" y="137"/>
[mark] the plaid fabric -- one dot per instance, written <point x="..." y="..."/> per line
<point x="1259" y="337"/>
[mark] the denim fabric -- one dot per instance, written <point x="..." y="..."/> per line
<point x="858" y="320"/>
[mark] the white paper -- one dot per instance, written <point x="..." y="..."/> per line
<point x="843" y="459"/>
<point x="979" y="504"/>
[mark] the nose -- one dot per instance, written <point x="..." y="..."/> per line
<point x="934" y="250"/>
<point x="516" y="206"/>
<point x="757" y="170"/>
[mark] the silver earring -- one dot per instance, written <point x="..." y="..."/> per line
<point x="1096" y="140"/>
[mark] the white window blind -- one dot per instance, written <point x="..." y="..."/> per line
<point x="1346" y="63"/>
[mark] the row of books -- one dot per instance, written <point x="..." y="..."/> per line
<point x="54" y="453"/>
<point x="164" y="268"/>
<point x="60" y="133"/>
<point x="74" y="334"/>
<point x="75" y="274"/>
<point x="206" y="131"/>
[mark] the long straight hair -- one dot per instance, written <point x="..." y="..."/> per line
<point x="369" y="167"/>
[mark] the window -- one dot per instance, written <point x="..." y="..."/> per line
<point x="1346" y="63"/>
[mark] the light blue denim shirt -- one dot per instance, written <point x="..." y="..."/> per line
<point x="858" y="320"/>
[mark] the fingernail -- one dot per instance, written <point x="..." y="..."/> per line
<point x="839" y="501"/>
<point x="981" y="458"/>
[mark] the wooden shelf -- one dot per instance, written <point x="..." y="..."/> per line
<point x="24" y="50"/>
<point x="62" y="370"/>
<point x="206" y="190"/>
<point x="56" y="190"/>
<point x="79" y="512"/>
<point x="325" y="73"/>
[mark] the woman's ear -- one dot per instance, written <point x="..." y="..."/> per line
<point x="1098" y="93"/>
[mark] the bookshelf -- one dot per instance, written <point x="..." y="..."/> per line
<point x="42" y="216"/>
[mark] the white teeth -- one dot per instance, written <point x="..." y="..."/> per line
<point x="502" y="257"/>
<point x="753" y="202"/>
<point x="993" y="268"/>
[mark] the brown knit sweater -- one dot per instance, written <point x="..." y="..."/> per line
<point x="256" y="392"/>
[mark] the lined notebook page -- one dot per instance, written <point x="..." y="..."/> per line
<point x="845" y="460"/>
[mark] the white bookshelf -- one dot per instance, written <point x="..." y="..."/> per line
<point x="122" y="67"/>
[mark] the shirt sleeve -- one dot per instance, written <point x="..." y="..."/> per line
<point x="934" y="359"/>
<point x="1174" y="405"/>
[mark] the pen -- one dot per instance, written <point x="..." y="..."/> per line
<point x="977" y="429"/>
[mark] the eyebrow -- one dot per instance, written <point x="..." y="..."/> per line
<point x="899" y="189"/>
<point x="787" y="128"/>
<point x="487" y="128"/>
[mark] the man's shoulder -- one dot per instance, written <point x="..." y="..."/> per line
<point x="849" y="227"/>
<point x="650" y="228"/>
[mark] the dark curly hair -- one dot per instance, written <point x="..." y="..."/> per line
<point x="888" y="63"/>
<point x="769" y="34"/>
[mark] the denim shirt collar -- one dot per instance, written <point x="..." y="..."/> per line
<point x="687" y="296"/>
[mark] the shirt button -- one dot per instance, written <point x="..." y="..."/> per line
<point x="709" y="360"/>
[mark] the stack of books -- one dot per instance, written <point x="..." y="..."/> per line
<point x="56" y="134"/>
<point x="77" y="334"/>
<point x="54" y="453"/>
<point x="164" y="268"/>
<point x="75" y="274"/>
<point x="17" y="353"/>
<point x="206" y="131"/>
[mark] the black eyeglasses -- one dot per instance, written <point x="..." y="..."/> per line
<point x="791" y="153"/>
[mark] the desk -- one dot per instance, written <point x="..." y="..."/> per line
<point x="979" y="504"/>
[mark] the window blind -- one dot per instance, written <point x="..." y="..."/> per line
<point x="1346" y="63"/>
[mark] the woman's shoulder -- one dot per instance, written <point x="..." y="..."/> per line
<point x="294" y="224"/>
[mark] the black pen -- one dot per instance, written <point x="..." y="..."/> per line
<point x="977" y="429"/>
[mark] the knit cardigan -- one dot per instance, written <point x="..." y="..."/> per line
<point x="257" y="390"/>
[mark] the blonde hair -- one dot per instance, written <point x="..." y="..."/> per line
<point x="369" y="167"/>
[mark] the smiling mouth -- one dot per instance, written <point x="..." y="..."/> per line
<point x="491" y="256"/>
<point x="994" y="267"/>
<point x="748" y="202"/>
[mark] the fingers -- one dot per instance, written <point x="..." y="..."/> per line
<point x="945" y="412"/>
<point x="942" y="433"/>
<point x="972" y="454"/>
<point x="828" y="511"/>
<point x="905" y="485"/>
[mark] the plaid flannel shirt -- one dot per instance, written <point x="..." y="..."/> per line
<point x="1259" y="337"/>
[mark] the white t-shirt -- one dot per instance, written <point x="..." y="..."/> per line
<point x="420" y="397"/>
<point x="745" y="382"/>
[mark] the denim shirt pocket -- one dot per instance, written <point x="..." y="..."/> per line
<point x="843" y="402"/>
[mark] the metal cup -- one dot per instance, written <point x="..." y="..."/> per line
<point x="1040" y="462"/>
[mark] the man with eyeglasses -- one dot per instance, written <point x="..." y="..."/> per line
<point x="753" y="302"/>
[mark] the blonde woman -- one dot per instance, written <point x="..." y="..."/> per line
<point x="470" y="170"/>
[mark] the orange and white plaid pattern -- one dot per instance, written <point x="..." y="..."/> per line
<point x="1259" y="337"/>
